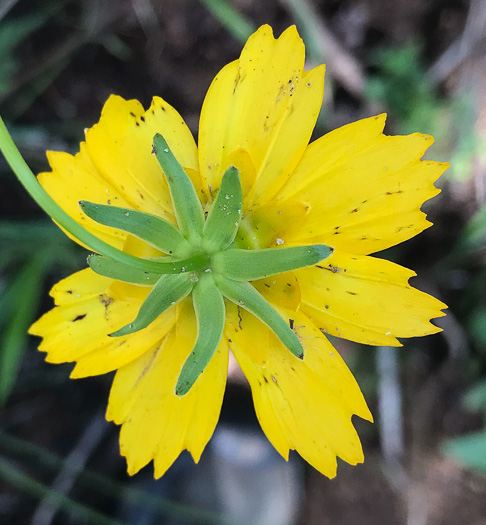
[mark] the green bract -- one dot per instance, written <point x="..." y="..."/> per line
<point x="201" y="259"/>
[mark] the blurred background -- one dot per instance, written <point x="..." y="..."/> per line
<point x="421" y="61"/>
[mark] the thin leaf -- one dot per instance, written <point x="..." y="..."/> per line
<point x="43" y="457"/>
<point x="24" y="298"/>
<point x="36" y="489"/>
<point x="237" y="24"/>
<point x="49" y="205"/>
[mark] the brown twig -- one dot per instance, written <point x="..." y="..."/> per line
<point x="76" y="460"/>
<point x="472" y="40"/>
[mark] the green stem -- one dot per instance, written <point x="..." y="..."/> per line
<point x="47" y="203"/>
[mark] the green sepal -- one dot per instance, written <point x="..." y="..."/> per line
<point x="154" y="230"/>
<point x="248" y="265"/>
<point x="169" y="290"/>
<point x="210" y="315"/>
<point x="186" y="203"/>
<point x="225" y="214"/>
<point x="121" y="272"/>
<point x="163" y="265"/>
<point x="245" y="295"/>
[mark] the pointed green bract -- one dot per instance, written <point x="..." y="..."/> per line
<point x="196" y="263"/>
<point x="210" y="315"/>
<point x="249" y="265"/>
<point x="156" y="231"/>
<point x="245" y="295"/>
<point x="186" y="203"/>
<point x="168" y="291"/>
<point x="224" y="217"/>
<point x="121" y="272"/>
<point x="163" y="265"/>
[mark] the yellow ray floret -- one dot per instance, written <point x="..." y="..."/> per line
<point x="264" y="103"/>
<point x="77" y="329"/>
<point x="156" y="423"/>
<point x="363" y="190"/>
<point x="304" y="405"/>
<point x="366" y="299"/>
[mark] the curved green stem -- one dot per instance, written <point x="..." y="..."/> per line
<point x="50" y="206"/>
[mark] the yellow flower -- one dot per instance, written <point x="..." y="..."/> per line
<point x="354" y="190"/>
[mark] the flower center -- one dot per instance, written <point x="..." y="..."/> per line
<point x="201" y="259"/>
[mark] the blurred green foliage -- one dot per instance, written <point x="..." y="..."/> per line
<point x="235" y="22"/>
<point x="12" y="34"/>
<point x="470" y="449"/>
<point x="30" y="250"/>
<point x="401" y="85"/>
<point x="41" y="458"/>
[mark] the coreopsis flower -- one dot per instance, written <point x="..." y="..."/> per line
<point x="254" y="242"/>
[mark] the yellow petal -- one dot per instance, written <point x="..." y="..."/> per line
<point x="77" y="329"/>
<point x="364" y="189"/>
<point x="241" y="158"/>
<point x="82" y="299"/>
<point x="157" y="424"/>
<point x="306" y="404"/>
<point x="80" y="286"/>
<point x="71" y="331"/>
<point x="115" y="352"/>
<point x="120" y="147"/>
<point x="116" y="165"/>
<point x="270" y="225"/>
<point x="366" y="299"/>
<point x="72" y="180"/>
<point x="282" y="289"/>
<point x="264" y="103"/>
<point x="243" y="330"/>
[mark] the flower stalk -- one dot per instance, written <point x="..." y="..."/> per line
<point x="46" y="202"/>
